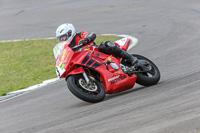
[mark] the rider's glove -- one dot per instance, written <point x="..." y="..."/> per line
<point x="84" y="41"/>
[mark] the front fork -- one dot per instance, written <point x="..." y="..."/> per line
<point x="86" y="78"/>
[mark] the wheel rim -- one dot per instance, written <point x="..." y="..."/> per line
<point x="92" y="87"/>
<point x="151" y="71"/>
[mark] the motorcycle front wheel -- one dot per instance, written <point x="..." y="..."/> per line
<point x="93" y="93"/>
<point x="150" y="77"/>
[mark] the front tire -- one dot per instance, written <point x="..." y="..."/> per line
<point x="77" y="85"/>
<point x="148" y="78"/>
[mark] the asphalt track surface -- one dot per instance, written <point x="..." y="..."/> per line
<point x="168" y="33"/>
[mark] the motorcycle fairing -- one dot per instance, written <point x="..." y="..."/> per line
<point x="113" y="80"/>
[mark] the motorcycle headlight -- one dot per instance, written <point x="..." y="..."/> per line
<point x="114" y="66"/>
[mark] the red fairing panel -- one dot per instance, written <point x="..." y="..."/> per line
<point x="77" y="71"/>
<point x="115" y="81"/>
<point x="121" y="83"/>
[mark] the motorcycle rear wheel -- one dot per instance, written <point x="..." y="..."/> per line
<point x="77" y="85"/>
<point x="148" y="78"/>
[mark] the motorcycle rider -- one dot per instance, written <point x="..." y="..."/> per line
<point x="67" y="32"/>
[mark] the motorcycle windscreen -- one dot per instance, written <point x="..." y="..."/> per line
<point x="58" y="49"/>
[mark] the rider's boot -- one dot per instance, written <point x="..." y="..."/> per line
<point x="131" y="59"/>
<point x="110" y="48"/>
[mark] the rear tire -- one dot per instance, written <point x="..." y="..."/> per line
<point x="148" y="78"/>
<point x="74" y="83"/>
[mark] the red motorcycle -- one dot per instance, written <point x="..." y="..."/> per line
<point x="91" y="74"/>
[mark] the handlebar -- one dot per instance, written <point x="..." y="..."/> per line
<point x="77" y="46"/>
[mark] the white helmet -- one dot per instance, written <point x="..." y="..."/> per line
<point x="66" y="29"/>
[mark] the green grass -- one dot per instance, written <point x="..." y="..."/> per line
<point x="26" y="63"/>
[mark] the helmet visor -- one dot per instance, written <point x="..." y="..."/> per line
<point x="65" y="37"/>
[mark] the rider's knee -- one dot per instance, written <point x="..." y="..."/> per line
<point x="107" y="45"/>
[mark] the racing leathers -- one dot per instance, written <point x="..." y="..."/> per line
<point x="83" y="37"/>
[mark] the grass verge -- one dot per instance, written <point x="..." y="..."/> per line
<point x="26" y="63"/>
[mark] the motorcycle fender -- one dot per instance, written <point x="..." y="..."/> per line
<point x="76" y="71"/>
